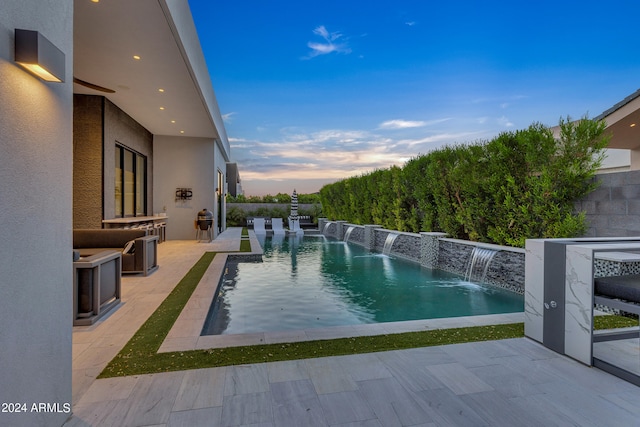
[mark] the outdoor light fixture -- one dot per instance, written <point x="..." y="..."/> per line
<point x="38" y="55"/>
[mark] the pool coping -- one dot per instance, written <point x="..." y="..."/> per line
<point x="185" y="333"/>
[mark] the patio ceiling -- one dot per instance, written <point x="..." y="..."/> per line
<point x="623" y="121"/>
<point x="108" y="34"/>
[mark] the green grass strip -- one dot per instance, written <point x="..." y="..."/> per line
<point x="245" y="246"/>
<point x="145" y="343"/>
<point x="613" y="322"/>
<point x="197" y="359"/>
<point x="245" y="231"/>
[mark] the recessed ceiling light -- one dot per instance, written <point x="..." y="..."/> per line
<point x="162" y="108"/>
<point x="181" y="131"/>
<point x="173" y="121"/>
<point x="632" y="125"/>
<point x="136" y="57"/>
<point x="95" y="1"/>
<point x="160" y="90"/>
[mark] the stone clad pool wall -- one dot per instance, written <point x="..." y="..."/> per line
<point x="434" y="250"/>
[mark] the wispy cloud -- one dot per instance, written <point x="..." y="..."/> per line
<point x="332" y="154"/>
<point x="407" y="124"/>
<point x="410" y="23"/>
<point x="401" y="124"/>
<point x="504" y="121"/>
<point x="333" y="42"/>
<point x="227" y="117"/>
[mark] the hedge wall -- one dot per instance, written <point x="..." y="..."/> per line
<point x="516" y="186"/>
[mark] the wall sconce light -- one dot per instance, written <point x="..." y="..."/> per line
<point x="38" y="55"/>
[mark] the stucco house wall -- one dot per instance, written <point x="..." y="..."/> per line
<point x="35" y="219"/>
<point x="182" y="162"/>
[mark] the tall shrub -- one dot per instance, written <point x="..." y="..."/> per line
<point x="537" y="200"/>
<point x="519" y="185"/>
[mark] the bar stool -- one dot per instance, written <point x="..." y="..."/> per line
<point x="159" y="229"/>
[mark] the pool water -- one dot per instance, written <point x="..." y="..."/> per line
<point x="309" y="282"/>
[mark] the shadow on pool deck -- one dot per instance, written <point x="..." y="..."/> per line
<point x="510" y="382"/>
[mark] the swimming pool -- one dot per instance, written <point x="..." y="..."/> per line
<point x="308" y="282"/>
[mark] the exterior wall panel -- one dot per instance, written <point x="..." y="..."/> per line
<point x="36" y="201"/>
<point x="183" y="162"/>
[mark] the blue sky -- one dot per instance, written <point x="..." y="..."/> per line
<point x="313" y="92"/>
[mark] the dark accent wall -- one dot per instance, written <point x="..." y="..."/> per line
<point x="98" y="125"/>
<point x="87" y="161"/>
<point x="120" y="128"/>
<point x="613" y="209"/>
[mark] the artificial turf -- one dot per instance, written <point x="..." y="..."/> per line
<point x="140" y="355"/>
<point x="245" y="246"/>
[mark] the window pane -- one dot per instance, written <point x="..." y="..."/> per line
<point x="118" y="192"/>
<point x="141" y="173"/>
<point x="129" y="183"/>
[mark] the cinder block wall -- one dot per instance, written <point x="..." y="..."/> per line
<point x="613" y="209"/>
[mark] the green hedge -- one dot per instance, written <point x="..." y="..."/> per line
<point x="516" y="186"/>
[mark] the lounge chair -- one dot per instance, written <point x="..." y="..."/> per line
<point x="258" y="226"/>
<point x="276" y="226"/>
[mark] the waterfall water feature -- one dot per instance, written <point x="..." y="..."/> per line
<point x="478" y="264"/>
<point x="347" y="234"/>
<point x="326" y="228"/>
<point x="388" y="243"/>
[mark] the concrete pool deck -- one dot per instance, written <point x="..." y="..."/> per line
<point x="509" y="382"/>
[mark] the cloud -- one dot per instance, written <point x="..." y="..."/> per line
<point x="227" y="117"/>
<point x="333" y="42"/>
<point x="410" y="23"/>
<point x="332" y="154"/>
<point x="504" y="121"/>
<point x="407" y="124"/>
<point x="401" y="124"/>
<point x="297" y="157"/>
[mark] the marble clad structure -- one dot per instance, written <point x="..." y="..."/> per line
<point x="559" y="291"/>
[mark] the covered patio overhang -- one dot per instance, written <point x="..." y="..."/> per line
<point x="145" y="57"/>
<point x="623" y="121"/>
<point x="623" y="124"/>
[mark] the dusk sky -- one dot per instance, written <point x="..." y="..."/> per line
<point x="312" y="92"/>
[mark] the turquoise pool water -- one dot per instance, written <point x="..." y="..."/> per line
<point x="313" y="282"/>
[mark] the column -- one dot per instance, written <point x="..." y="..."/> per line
<point x="370" y="236"/>
<point x="429" y="248"/>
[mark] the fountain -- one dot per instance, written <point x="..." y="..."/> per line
<point x="347" y="234"/>
<point x="326" y="228"/>
<point x="388" y="243"/>
<point x="478" y="264"/>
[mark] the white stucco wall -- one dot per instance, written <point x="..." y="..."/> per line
<point x="35" y="219"/>
<point x="183" y="162"/>
<point x="616" y="160"/>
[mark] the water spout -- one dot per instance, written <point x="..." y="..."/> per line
<point x="326" y="228"/>
<point x="347" y="234"/>
<point x="478" y="264"/>
<point x="388" y="243"/>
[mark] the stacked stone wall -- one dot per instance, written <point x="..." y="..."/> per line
<point x="432" y="250"/>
